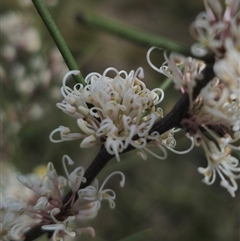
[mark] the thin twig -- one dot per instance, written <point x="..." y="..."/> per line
<point x="129" y="33"/>
<point x="58" y="39"/>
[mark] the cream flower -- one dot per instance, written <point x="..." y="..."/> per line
<point x="227" y="69"/>
<point x="115" y="111"/>
<point x="216" y="105"/>
<point x="183" y="71"/>
<point x="213" y="118"/>
<point x="213" y="27"/>
<point x="47" y="208"/>
<point x="220" y="161"/>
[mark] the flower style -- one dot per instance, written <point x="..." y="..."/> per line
<point x="46" y="208"/>
<point x="214" y="27"/>
<point x="116" y="112"/>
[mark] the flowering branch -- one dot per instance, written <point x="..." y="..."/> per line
<point x="172" y="119"/>
<point x="130" y="33"/>
<point x="120" y="114"/>
<point x="58" y="38"/>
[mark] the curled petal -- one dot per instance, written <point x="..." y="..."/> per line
<point x="65" y="135"/>
<point x="51" y="171"/>
<point x="41" y="203"/>
<point x="88" y="142"/>
<point x="25" y="181"/>
<point x="85" y="127"/>
<point x="75" y="178"/>
<point x="114" y="147"/>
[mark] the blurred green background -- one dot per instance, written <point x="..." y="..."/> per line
<point x="162" y="200"/>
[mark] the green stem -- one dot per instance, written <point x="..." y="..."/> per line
<point x="166" y="84"/>
<point x="130" y="33"/>
<point x="58" y="38"/>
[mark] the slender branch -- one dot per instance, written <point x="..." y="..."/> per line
<point x="164" y="86"/>
<point x="58" y="38"/>
<point x="130" y="33"/>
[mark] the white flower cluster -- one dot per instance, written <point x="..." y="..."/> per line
<point x="46" y="208"/>
<point x="214" y="27"/>
<point x="213" y="118"/>
<point x="116" y="112"/>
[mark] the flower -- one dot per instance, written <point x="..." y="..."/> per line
<point x="227" y="69"/>
<point x="213" y="117"/>
<point x="222" y="162"/>
<point x="46" y="208"/>
<point x="115" y="111"/>
<point x="214" y="27"/>
<point x="184" y="71"/>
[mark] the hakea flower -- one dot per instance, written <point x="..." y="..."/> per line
<point x="116" y="112"/>
<point x="182" y="70"/>
<point x="213" y="118"/>
<point x="227" y="69"/>
<point x="46" y="208"/>
<point x="212" y="28"/>
<point x="220" y="161"/>
<point x="214" y="122"/>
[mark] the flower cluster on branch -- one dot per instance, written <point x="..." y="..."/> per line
<point x="213" y="117"/>
<point x="45" y="209"/>
<point x="117" y="112"/>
